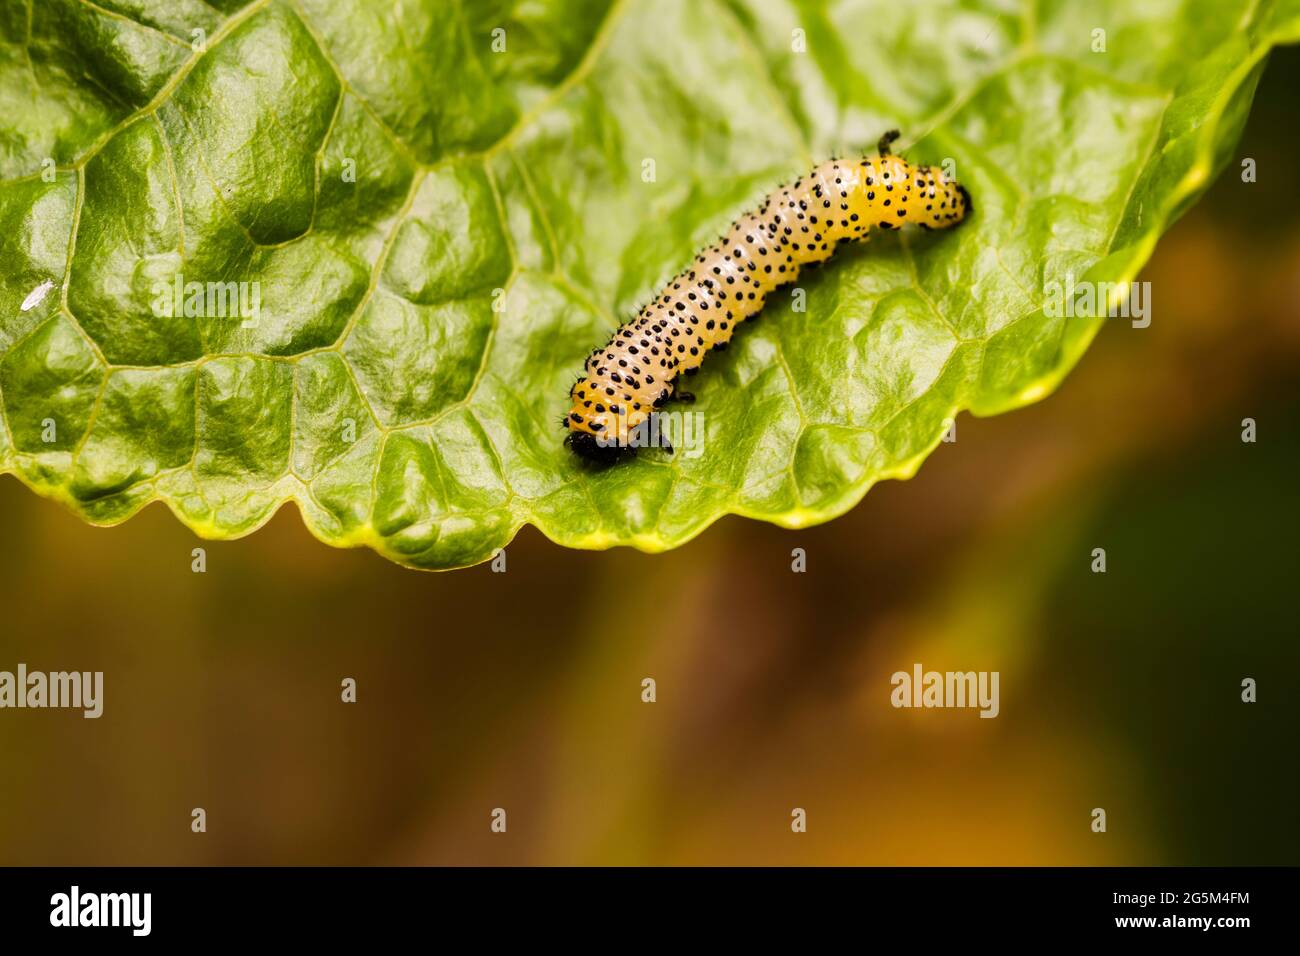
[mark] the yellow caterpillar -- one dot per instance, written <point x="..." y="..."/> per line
<point x="632" y="376"/>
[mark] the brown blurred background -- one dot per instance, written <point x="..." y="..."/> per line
<point x="480" y="690"/>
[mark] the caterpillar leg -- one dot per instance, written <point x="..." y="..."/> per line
<point x="885" y="141"/>
<point x="650" y="434"/>
<point x="659" y="433"/>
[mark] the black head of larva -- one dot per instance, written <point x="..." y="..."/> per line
<point x="590" y="449"/>
<point x="965" y="197"/>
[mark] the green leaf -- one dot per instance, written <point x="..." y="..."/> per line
<point x="432" y="232"/>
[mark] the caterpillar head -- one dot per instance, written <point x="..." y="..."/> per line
<point x="597" y="437"/>
<point x="591" y="449"/>
<point x="966" y="207"/>
<point x="603" y="436"/>
<point x="603" y="413"/>
<point x="942" y="202"/>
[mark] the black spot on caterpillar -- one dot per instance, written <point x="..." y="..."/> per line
<point x="629" y="379"/>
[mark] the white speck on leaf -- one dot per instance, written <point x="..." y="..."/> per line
<point x="37" y="296"/>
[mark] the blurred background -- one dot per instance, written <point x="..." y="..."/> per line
<point x="479" y="690"/>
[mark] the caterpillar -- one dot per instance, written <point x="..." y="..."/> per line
<point x="635" y="374"/>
